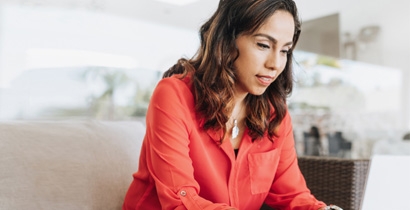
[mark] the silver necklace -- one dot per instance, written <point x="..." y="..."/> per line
<point x="235" y="128"/>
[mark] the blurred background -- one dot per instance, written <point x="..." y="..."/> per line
<point x="101" y="59"/>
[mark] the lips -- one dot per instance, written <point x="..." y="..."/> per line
<point x="265" y="80"/>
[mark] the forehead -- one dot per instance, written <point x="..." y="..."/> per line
<point x="280" y="24"/>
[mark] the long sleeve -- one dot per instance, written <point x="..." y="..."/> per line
<point x="168" y="158"/>
<point x="184" y="167"/>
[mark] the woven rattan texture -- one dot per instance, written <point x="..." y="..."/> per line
<point x="335" y="180"/>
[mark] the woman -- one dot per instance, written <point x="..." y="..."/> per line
<point x="219" y="135"/>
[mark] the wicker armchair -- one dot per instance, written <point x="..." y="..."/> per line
<point x="335" y="180"/>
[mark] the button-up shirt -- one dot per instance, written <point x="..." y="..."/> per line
<point x="183" y="166"/>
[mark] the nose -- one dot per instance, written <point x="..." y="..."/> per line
<point x="275" y="60"/>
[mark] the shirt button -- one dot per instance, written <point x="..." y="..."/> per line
<point x="182" y="193"/>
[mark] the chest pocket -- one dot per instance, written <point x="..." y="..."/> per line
<point x="262" y="169"/>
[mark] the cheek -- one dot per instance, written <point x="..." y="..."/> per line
<point x="244" y="64"/>
<point x="250" y="56"/>
<point x="283" y="65"/>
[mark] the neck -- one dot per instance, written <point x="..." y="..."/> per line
<point x="236" y="120"/>
<point x="238" y="110"/>
<point x="238" y="103"/>
<point x="238" y="96"/>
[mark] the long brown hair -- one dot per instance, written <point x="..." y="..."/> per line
<point x="214" y="75"/>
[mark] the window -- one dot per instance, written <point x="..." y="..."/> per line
<point x="58" y="63"/>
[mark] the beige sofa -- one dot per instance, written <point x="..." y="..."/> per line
<point x="88" y="165"/>
<point x="71" y="165"/>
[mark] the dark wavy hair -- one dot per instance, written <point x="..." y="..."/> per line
<point x="213" y="74"/>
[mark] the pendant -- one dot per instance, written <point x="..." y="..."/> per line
<point x="235" y="129"/>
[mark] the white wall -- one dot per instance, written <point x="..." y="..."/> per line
<point x="149" y="45"/>
<point x="161" y="45"/>
<point x="40" y="37"/>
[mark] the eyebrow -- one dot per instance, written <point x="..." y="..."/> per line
<point x="273" y="39"/>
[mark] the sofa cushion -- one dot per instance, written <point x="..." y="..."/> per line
<point x="68" y="164"/>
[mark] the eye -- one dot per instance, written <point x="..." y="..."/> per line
<point x="285" y="51"/>
<point x="263" y="46"/>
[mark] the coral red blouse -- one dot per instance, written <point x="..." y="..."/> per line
<point x="182" y="166"/>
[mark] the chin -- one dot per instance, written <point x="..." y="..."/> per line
<point x="257" y="92"/>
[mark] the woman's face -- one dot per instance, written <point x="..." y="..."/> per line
<point x="263" y="54"/>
